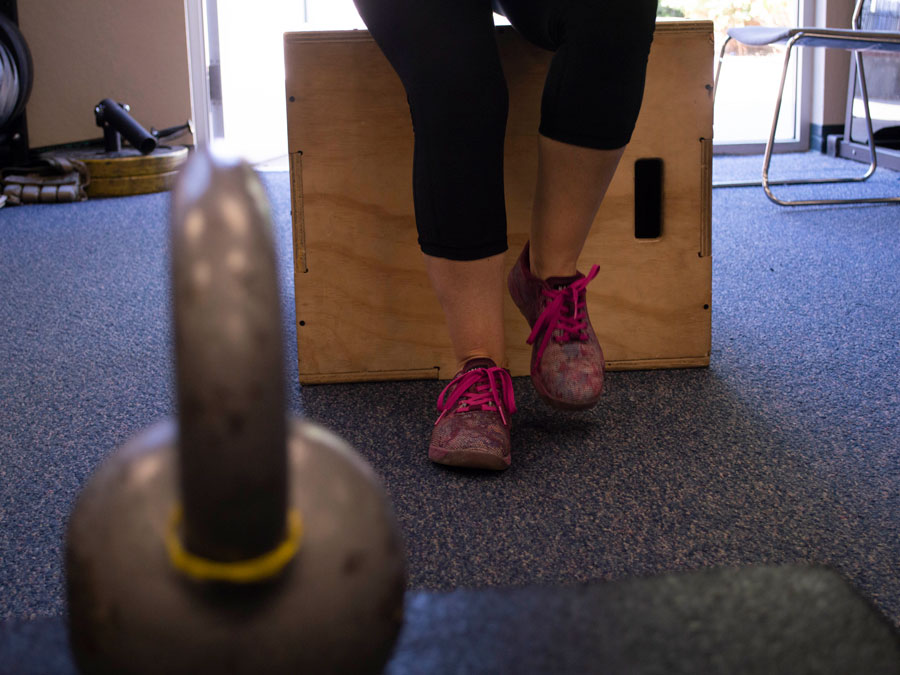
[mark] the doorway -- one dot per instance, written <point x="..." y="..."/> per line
<point x="745" y="100"/>
<point x="241" y="97"/>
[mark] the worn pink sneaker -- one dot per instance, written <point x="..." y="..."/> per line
<point x="567" y="365"/>
<point x="473" y="429"/>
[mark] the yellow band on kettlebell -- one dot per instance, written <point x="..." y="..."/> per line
<point x="256" y="569"/>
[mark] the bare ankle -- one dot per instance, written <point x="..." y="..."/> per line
<point x="544" y="271"/>
<point x="478" y="355"/>
<point x="558" y="271"/>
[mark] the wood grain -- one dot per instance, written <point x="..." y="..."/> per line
<point x="365" y="307"/>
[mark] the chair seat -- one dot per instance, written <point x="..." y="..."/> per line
<point x="840" y="38"/>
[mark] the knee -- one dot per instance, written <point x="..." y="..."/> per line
<point x="596" y="83"/>
<point x="454" y="100"/>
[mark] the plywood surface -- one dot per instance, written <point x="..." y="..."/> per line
<point x="365" y="307"/>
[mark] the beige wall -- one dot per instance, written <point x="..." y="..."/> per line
<point x="133" y="51"/>
<point x="831" y="67"/>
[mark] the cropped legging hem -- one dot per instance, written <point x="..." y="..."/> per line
<point x="467" y="253"/>
<point x="582" y="140"/>
<point x="446" y="54"/>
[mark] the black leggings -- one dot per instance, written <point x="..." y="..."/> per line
<point x="445" y="52"/>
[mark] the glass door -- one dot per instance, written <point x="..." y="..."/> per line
<point x="748" y="85"/>
<point x="882" y="73"/>
<point x="237" y="65"/>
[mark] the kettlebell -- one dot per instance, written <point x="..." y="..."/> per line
<point x="237" y="538"/>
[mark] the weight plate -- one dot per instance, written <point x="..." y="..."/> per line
<point x="128" y="162"/>
<point x="131" y="185"/>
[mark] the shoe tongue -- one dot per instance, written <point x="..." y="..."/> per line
<point x="472" y="364"/>
<point x="560" y="282"/>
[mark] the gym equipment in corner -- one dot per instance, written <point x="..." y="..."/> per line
<point x="115" y="170"/>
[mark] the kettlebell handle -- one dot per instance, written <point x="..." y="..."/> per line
<point x="229" y="367"/>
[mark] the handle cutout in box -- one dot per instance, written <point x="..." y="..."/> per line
<point x="648" y="196"/>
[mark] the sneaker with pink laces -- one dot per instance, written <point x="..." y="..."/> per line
<point x="473" y="429"/>
<point x="567" y="365"/>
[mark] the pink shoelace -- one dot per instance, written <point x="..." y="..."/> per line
<point x="484" y="397"/>
<point x="554" y="316"/>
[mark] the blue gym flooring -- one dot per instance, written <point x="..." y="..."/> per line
<point x="784" y="450"/>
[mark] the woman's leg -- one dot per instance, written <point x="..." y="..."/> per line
<point x="590" y="104"/>
<point x="445" y="53"/>
<point x="471" y="294"/>
<point x="571" y="184"/>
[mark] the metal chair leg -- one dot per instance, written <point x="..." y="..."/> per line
<point x="766" y="183"/>
<point x="719" y="69"/>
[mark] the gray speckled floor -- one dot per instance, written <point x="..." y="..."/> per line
<point x="784" y="450"/>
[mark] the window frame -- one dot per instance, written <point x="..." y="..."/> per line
<point x="802" y="59"/>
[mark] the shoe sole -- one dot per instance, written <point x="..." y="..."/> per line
<point x="469" y="459"/>
<point x="563" y="405"/>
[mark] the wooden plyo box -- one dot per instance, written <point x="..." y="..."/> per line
<point x="365" y="307"/>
